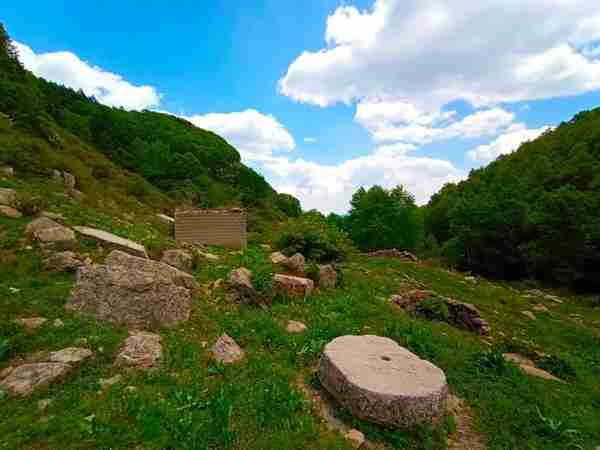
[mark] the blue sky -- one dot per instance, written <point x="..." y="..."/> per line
<point x="323" y="96"/>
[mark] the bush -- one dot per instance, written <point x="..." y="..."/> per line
<point x="30" y="204"/>
<point x="4" y="349"/>
<point x="315" y="238"/>
<point x="434" y="309"/>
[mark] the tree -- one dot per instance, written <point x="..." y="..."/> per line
<point x="381" y="218"/>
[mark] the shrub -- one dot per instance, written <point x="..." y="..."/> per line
<point x="557" y="366"/>
<point x="30" y="204"/>
<point x="434" y="309"/>
<point x="4" y="349"/>
<point x="315" y="238"/>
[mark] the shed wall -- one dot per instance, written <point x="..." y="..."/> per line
<point x="211" y="228"/>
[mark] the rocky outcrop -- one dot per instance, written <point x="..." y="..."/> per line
<point x="181" y="259"/>
<point x="293" y="286"/>
<point x="112" y="241"/>
<point x="226" y="350"/>
<point x="393" y="253"/>
<point x="327" y="276"/>
<point x="379" y="381"/>
<point x="132" y="291"/>
<point x="141" y="350"/>
<point x="460" y="314"/>
<point x="8" y="197"/>
<point x="47" y="231"/>
<point x="24" y="379"/>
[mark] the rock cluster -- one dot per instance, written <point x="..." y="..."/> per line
<point x="295" y="263"/>
<point x="460" y="314"/>
<point x="132" y="291"/>
<point x="392" y="253"/>
<point x="379" y="381"/>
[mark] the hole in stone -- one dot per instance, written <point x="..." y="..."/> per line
<point x="386" y="358"/>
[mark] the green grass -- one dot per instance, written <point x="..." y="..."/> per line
<point x="193" y="403"/>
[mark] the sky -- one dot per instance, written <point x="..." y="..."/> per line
<point x="322" y="97"/>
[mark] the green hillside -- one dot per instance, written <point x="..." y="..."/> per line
<point x="532" y="213"/>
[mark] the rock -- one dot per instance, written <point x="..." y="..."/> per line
<point x="295" y="327"/>
<point x="540" y="308"/>
<point x="181" y="259"/>
<point x="295" y="263"/>
<point x="10" y="212"/>
<point x="528" y="366"/>
<point x="48" y="231"/>
<point x="471" y="279"/>
<point x="71" y="355"/>
<point x="293" y="286"/>
<point x="132" y="291"/>
<point x="52" y="216"/>
<point x="8" y="197"/>
<point x="141" y="350"/>
<point x="108" y="382"/>
<point x="57" y="176"/>
<point x="327" y="276"/>
<point x="529" y="314"/>
<point x="58" y="323"/>
<point x="7" y="171"/>
<point x="113" y="241"/>
<point x="43" y="404"/>
<point x="24" y="379"/>
<point x="379" y="381"/>
<point x="166" y="220"/>
<point x="265" y="246"/>
<point x="241" y="281"/>
<point x="277" y="257"/>
<point x="69" y="180"/>
<point x="392" y="253"/>
<point x="356" y="438"/>
<point x="226" y="350"/>
<point x="409" y="300"/>
<point x="31" y="323"/>
<point x="208" y="256"/>
<point x="553" y="298"/>
<point x="62" y="262"/>
<point x="76" y="195"/>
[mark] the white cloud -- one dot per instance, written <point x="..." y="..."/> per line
<point x="257" y="136"/>
<point x="330" y="187"/>
<point x="506" y="143"/>
<point x="310" y="140"/>
<point x="400" y="121"/>
<point x="67" y="69"/>
<point x="429" y="53"/>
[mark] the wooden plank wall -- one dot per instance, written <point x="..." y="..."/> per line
<point x="211" y="227"/>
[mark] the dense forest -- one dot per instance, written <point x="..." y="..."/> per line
<point x="189" y="163"/>
<point x="532" y="213"/>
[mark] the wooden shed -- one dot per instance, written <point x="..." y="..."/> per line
<point x="226" y="227"/>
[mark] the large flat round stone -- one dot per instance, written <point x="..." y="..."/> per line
<point x="382" y="382"/>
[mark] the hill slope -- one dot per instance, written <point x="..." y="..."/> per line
<point x="55" y="127"/>
<point x="535" y="212"/>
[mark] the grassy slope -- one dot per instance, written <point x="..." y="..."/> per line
<point x="193" y="403"/>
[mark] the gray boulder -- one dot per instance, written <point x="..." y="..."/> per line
<point x="181" y="259"/>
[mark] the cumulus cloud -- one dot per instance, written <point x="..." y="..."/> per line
<point x="330" y="187"/>
<point x="400" y="121"/>
<point x="429" y="53"/>
<point x="257" y="136"/>
<point x="505" y="143"/>
<point x="68" y="69"/>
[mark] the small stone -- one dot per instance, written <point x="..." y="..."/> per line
<point x="69" y="180"/>
<point x="327" y="276"/>
<point x="529" y="367"/>
<point x="62" y="262"/>
<point x="529" y="314"/>
<point x="226" y="350"/>
<point x="44" y="404"/>
<point x="277" y="258"/>
<point x="295" y="263"/>
<point x="8" y="196"/>
<point x="141" y="350"/>
<point x="70" y="355"/>
<point x="58" y="323"/>
<point x="356" y="438"/>
<point x="293" y="286"/>
<point x="10" y="212"/>
<point x="108" y="382"/>
<point x="31" y="323"/>
<point x="241" y="281"/>
<point x="540" y="308"/>
<point x="471" y="279"/>
<point x="180" y="259"/>
<point x="295" y="327"/>
<point x="265" y="246"/>
<point x="24" y="379"/>
<point x="165" y="220"/>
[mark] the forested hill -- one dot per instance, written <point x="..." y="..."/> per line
<point x="533" y="213"/>
<point x="188" y="163"/>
